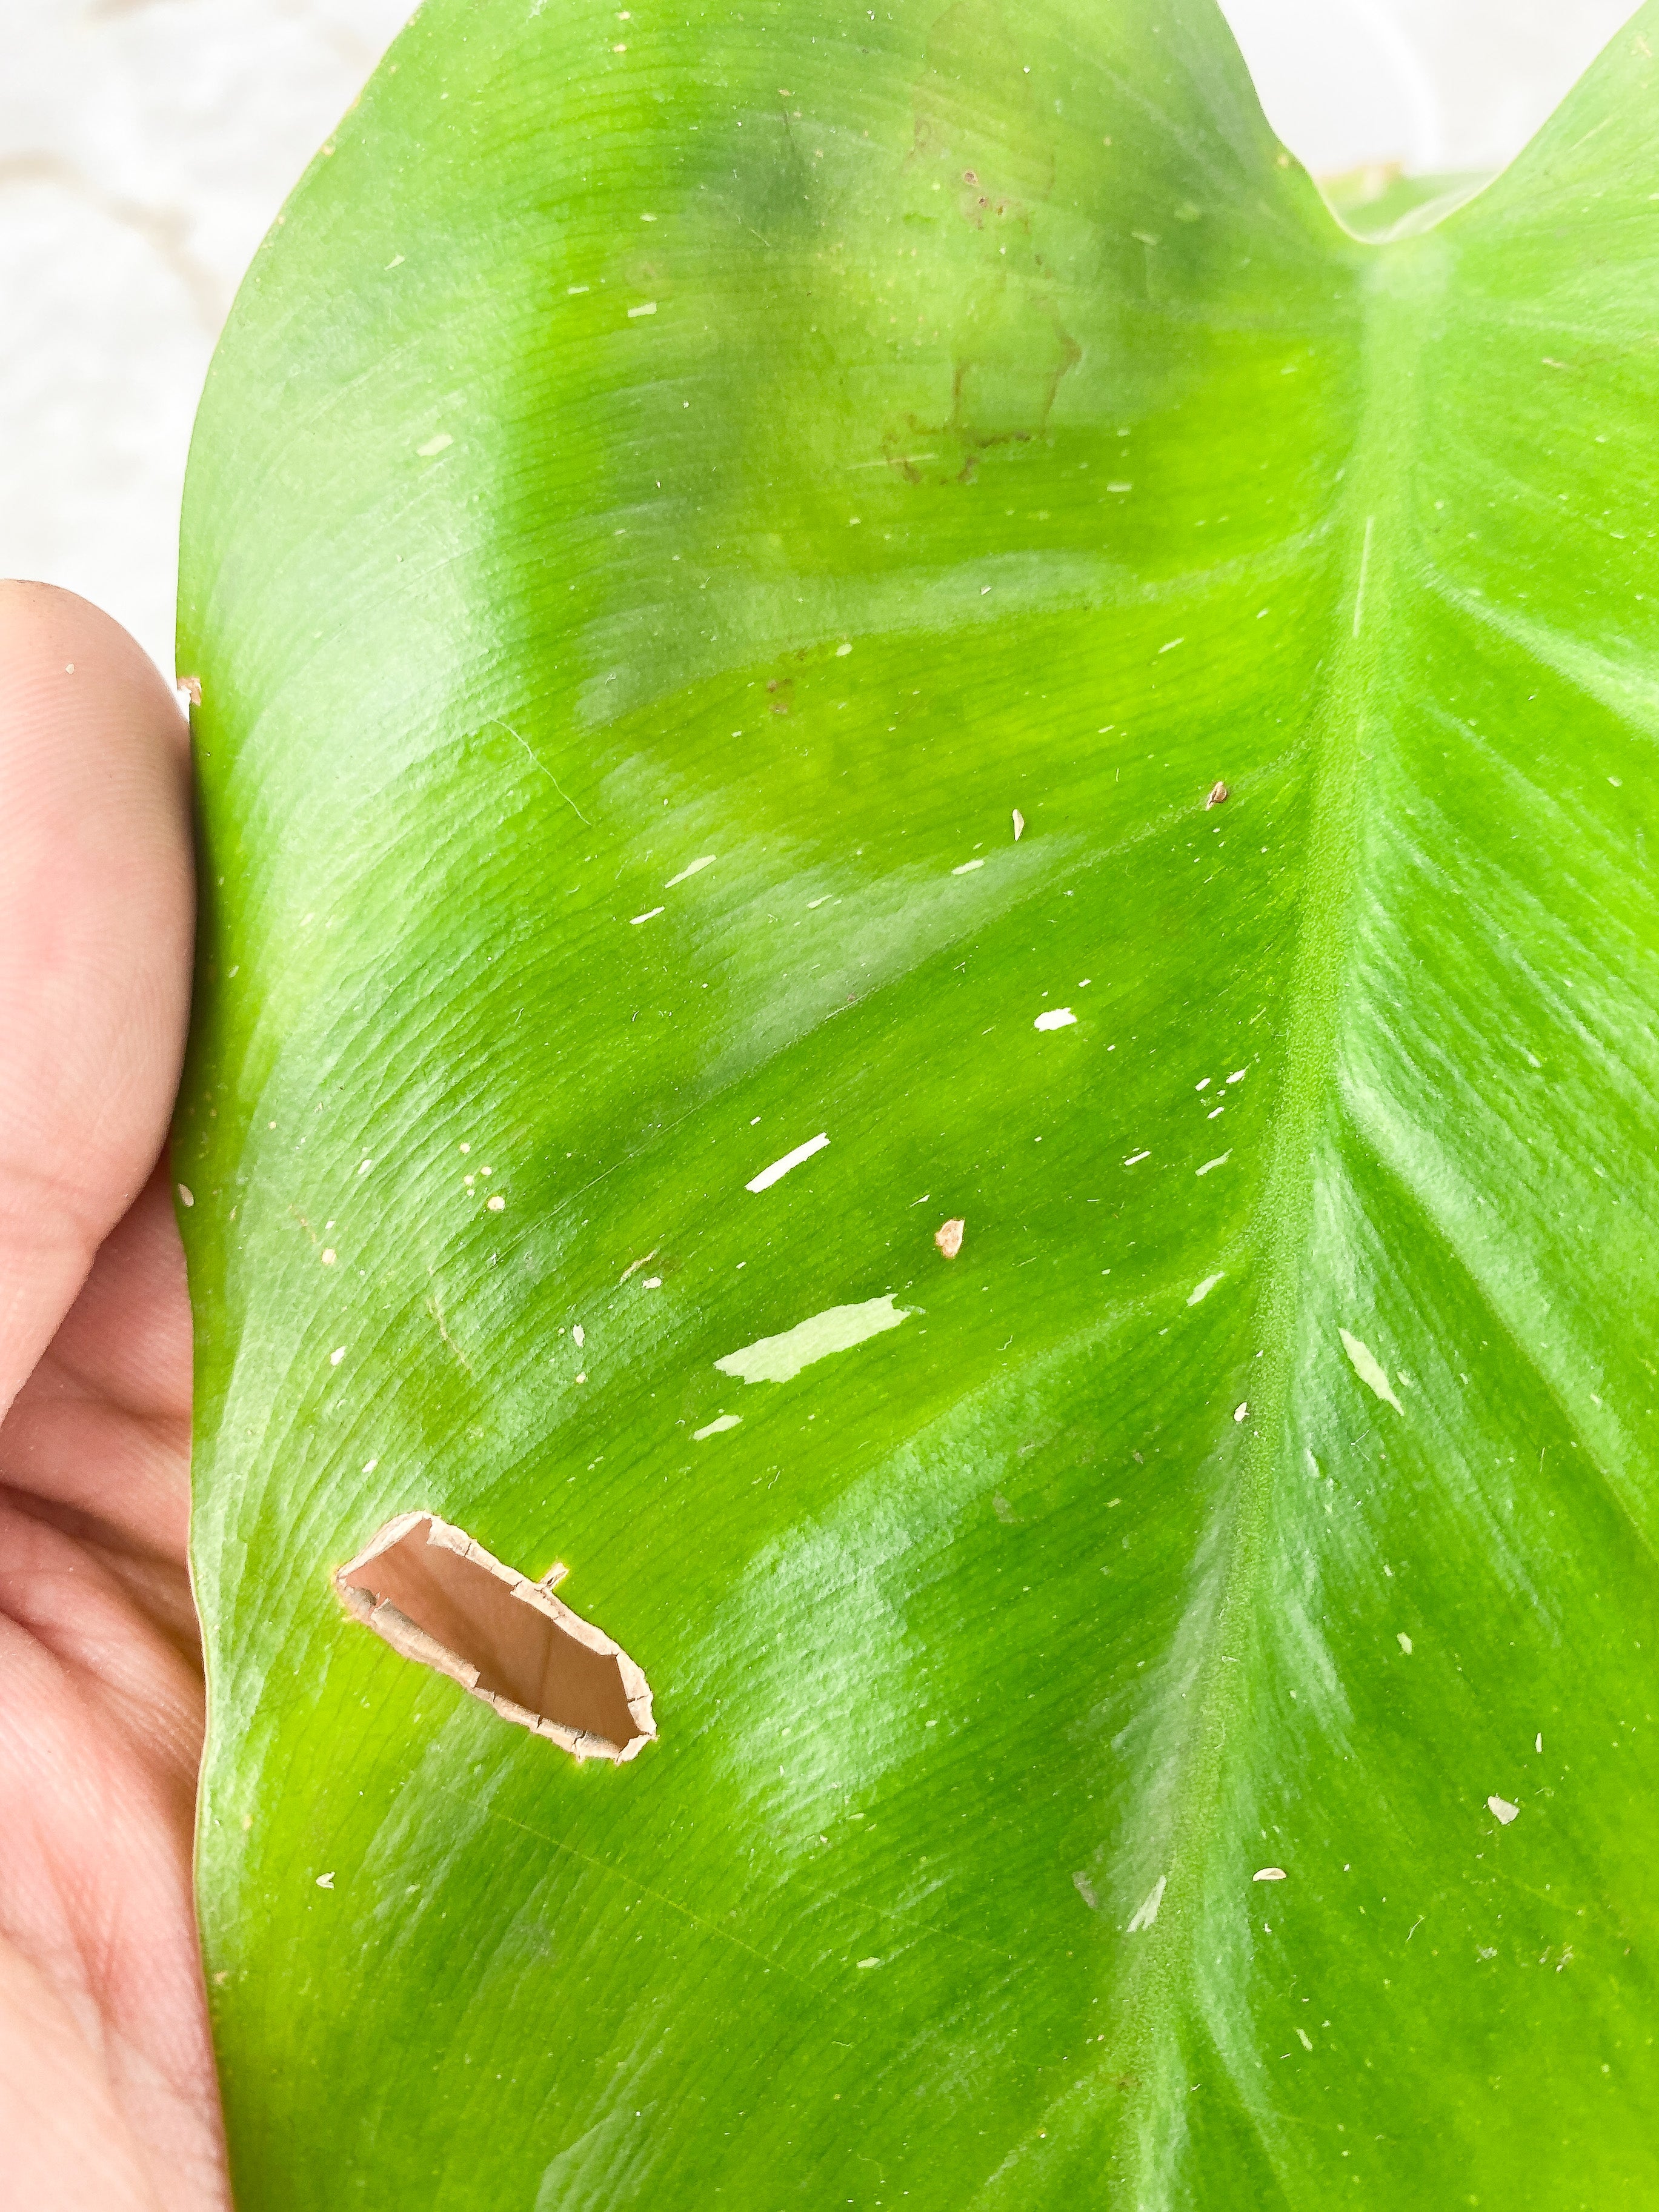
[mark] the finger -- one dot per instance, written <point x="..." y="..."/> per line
<point x="95" y="922"/>
<point x="100" y="1433"/>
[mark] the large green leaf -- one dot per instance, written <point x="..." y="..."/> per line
<point x="793" y="440"/>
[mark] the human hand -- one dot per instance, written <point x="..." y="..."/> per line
<point x="108" y="2101"/>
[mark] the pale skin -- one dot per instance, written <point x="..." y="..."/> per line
<point x="108" y="2101"/>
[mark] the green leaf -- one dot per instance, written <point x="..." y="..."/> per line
<point x="1160" y="1715"/>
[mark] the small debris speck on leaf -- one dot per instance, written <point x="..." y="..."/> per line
<point x="948" y="1236"/>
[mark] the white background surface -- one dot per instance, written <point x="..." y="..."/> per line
<point x="145" y="146"/>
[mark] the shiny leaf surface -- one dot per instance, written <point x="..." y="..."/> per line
<point x="727" y="553"/>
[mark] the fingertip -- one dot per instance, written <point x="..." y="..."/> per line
<point x="96" y="923"/>
<point x="52" y="642"/>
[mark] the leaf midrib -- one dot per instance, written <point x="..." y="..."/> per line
<point x="1399" y="284"/>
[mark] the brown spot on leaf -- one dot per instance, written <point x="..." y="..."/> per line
<point x="436" y="1596"/>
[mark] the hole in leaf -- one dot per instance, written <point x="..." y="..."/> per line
<point x="436" y="1596"/>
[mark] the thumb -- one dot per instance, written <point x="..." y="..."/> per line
<point x="96" y="896"/>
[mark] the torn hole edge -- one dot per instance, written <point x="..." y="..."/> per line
<point x="410" y="1641"/>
